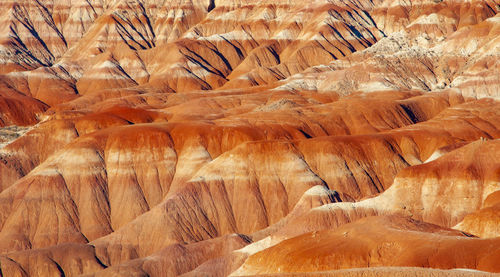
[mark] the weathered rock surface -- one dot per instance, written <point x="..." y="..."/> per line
<point x="372" y="242"/>
<point x="209" y="138"/>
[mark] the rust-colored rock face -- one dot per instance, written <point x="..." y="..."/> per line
<point x="245" y="138"/>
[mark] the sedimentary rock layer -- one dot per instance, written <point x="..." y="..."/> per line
<point x="274" y="138"/>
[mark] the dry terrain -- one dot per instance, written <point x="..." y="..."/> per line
<point x="250" y="138"/>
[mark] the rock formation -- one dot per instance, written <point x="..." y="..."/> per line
<point x="243" y="138"/>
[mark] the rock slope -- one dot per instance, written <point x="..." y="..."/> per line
<point x="243" y="138"/>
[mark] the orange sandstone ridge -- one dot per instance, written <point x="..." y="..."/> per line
<point x="249" y="138"/>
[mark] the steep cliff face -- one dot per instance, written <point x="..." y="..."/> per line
<point x="164" y="138"/>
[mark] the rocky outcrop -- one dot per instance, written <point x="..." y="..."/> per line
<point x="164" y="138"/>
<point x="399" y="242"/>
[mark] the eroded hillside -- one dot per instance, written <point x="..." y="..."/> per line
<point x="243" y="138"/>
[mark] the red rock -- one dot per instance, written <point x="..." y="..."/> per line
<point x="137" y="137"/>
<point x="373" y="242"/>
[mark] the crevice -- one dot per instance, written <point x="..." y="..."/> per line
<point x="211" y="6"/>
